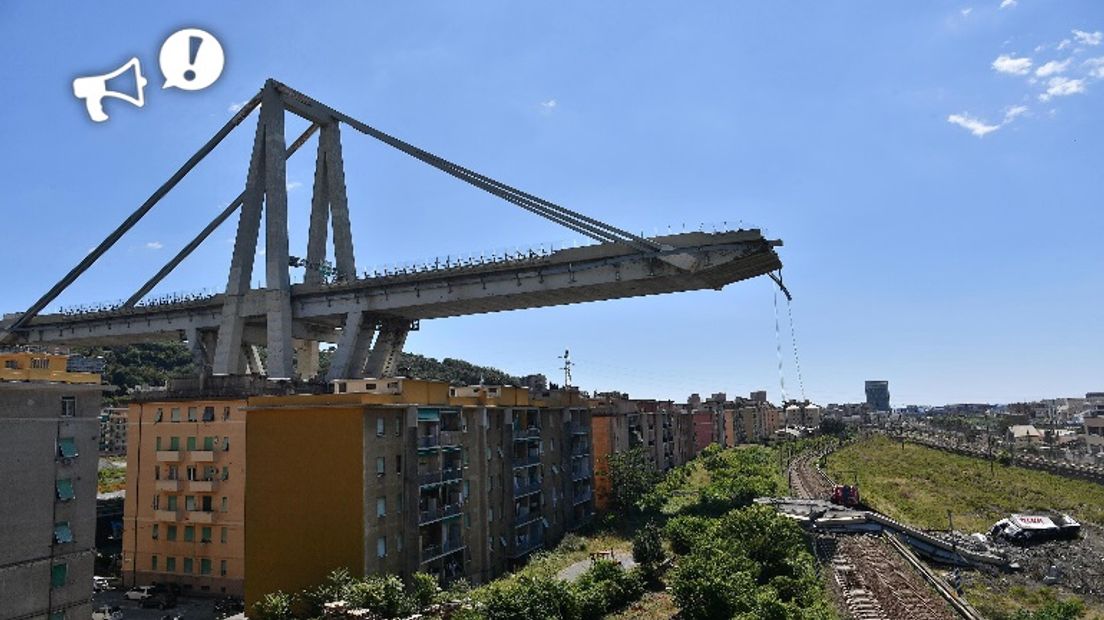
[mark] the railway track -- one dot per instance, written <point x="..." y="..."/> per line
<point x="874" y="581"/>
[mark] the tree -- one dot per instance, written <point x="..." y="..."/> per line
<point x="648" y="551"/>
<point x="632" y="476"/>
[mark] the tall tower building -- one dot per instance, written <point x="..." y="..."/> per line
<point x="877" y="395"/>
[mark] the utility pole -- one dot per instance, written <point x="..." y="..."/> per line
<point x="566" y="357"/>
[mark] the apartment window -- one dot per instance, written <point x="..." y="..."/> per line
<point x="399" y="503"/>
<point x="381" y="506"/>
<point x="157" y="444"/>
<point x="188" y="562"/>
<point x="226" y="504"/>
<point x="225" y="444"/>
<point x="153" y="562"/>
<point x="157" y="502"/>
<point x="190" y="503"/>
<point x="155" y="531"/>
<point x="225" y="413"/>
<point x="209" y="443"/>
<point x="174" y="443"/>
<point x="379" y="426"/>
<point x="156" y="472"/>
<point x="62" y="532"/>
<point x="398" y="543"/>
<point x="342" y="388"/>
<point x="59" y="574"/>
<point x="68" y="406"/>
<point x="398" y="463"/>
<point x="381" y="547"/>
<point x="205" y="535"/>
<point x="192" y="414"/>
<point x="65" y="489"/>
<point x="490" y="515"/>
<point x="12" y="364"/>
<point x="170" y="565"/>
<point x="398" y="426"/>
<point x="488" y="453"/>
<point x="170" y="533"/>
<point x="225" y="473"/>
<point x="40" y="363"/>
<point x="204" y="566"/>
<point x="222" y="567"/>
<point x="191" y="444"/>
<point x="467" y="488"/>
<point x="158" y="415"/>
<point x="190" y="471"/>
<point x="173" y="502"/>
<point x="222" y="536"/>
<point x="467" y="519"/>
<point x="464" y="455"/>
<point x="189" y="533"/>
<point x="67" y="447"/>
<point x="172" y="472"/>
<point x="381" y="465"/>
<point x="208" y="414"/>
<point x="174" y="414"/>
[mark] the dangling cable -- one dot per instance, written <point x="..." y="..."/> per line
<point x="778" y="345"/>
<point x="793" y="339"/>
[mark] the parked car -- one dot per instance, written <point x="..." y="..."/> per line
<point x="100" y="583"/>
<point x="139" y="593"/>
<point x="107" y="613"/>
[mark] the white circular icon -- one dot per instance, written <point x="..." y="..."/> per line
<point x="191" y="59"/>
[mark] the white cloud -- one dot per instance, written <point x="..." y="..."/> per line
<point x="973" y="125"/>
<point x="1011" y="113"/>
<point x="1064" y="43"/>
<point x="1007" y="4"/>
<point x="234" y="107"/>
<point x="154" y="245"/>
<point x="1052" y="68"/>
<point x="294" y="185"/>
<point x="1095" y="67"/>
<point x="549" y="105"/>
<point x="1015" y="66"/>
<point x="1088" y="38"/>
<point x="966" y="11"/>
<point x="1062" y="87"/>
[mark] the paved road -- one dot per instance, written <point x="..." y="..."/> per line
<point x="573" y="572"/>
<point x="187" y="608"/>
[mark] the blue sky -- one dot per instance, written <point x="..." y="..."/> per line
<point x="934" y="169"/>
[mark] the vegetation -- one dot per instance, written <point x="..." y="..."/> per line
<point x="111" y="479"/>
<point x="631" y="478"/>
<point x="648" y="551"/>
<point x="151" y="363"/>
<point x="1021" y="603"/>
<point x="386" y="596"/>
<point x="917" y="485"/>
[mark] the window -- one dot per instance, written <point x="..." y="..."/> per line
<point x="157" y="472"/>
<point x="222" y="536"/>
<point x="204" y="566"/>
<point x="205" y="535"/>
<point x="192" y="413"/>
<point x="206" y="503"/>
<point x="381" y="465"/>
<point x="12" y="364"/>
<point x="490" y="515"/>
<point x="209" y="443"/>
<point x="381" y="506"/>
<point x="208" y="414"/>
<point x="158" y="415"/>
<point x="225" y="473"/>
<point x="67" y="447"/>
<point x="225" y="504"/>
<point x="40" y="363"/>
<point x="379" y="426"/>
<point x="157" y="502"/>
<point x="170" y="565"/>
<point x="57" y="615"/>
<point x="188" y="562"/>
<point x="190" y="503"/>
<point x="225" y="444"/>
<point x="398" y="426"/>
<point x="342" y="388"/>
<point x="62" y="533"/>
<point x="190" y="471"/>
<point x="65" y="489"/>
<point x="398" y="543"/>
<point x="399" y="504"/>
<point x="172" y="472"/>
<point x="59" y="574"/>
<point x="222" y="567"/>
<point x="68" y="406"/>
<point x="174" y="415"/>
<point x="398" y="463"/>
<point x="381" y="547"/>
<point x="153" y="563"/>
<point x="170" y="534"/>
<point x="157" y="441"/>
<point x="173" y="503"/>
<point x="155" y="532"/>
<point x="189" y="533"/>
<point x="174" y="443"/>
<point x="191" y="443"/>
<point x="225" y="413"/>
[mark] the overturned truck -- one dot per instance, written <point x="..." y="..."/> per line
<point x="1034" y="528"/>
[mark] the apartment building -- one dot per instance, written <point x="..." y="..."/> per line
<point x="113" y="431"/>
<point x="402" y="475"/>
<point x="48" y="429"/>
<point x="184" y="511"/>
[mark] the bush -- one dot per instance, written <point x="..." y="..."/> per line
<point x="571" y="543"/>
<point x="648" y="551"/>
<point x="383" y="595"/>
<point x="336" y="587"/>
<point x="530" y="597"/>
<point x="685" y="530"/>
<point x="1055" y="610"/>
<point x="605" y="587"/>
<point x="424" y="589"/>
<point x="274" y="606"/>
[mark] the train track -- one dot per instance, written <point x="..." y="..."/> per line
<point x="873" y="580"/>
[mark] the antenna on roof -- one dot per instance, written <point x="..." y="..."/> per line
<point x="566" y="357"/>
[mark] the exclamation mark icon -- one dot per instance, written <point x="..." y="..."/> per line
<point x="182" y="64"/>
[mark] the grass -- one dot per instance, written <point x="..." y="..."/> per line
<point x="998" y="605"/>
<point x="111" y="479"/>
<point x="918" y="485"/>
<point x="651" y="606"/>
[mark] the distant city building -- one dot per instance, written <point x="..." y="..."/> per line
<point x="113" y="431"/>
<point x="877" y="395"/>
<point x="1093" y="422"/>
<point x="534" y="382"/>
<point x="48" y="427"/>
<point x="759" y="396"/>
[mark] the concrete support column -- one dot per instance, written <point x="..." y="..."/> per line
<point x="306" y="358"/>
<point x="329" y="197"/>
<point x="384" y="359"/>
<point x="353" y="346"/>
<point x="277" y="278"/>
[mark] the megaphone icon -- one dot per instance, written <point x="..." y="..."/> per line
<point x="93" y="89"/>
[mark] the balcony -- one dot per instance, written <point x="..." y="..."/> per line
<point x="525" y="545"/>
<point x="585" y="496"/>
<point x="168" y="456"/>
<point x="527" y="460"/>
<point x="202" y="456"/>
<point x="426" y="517"/>
<point x="576" y="428"/>
<point x="429" y="441"/>
<point x="522" y="434"/>
<point x="450" y="439"/>
<point x="582" y="473"/>
<point x="581" y="450"/>
<point x="202" y="486"/>
<point x="439" y="477"/>
<point x="528" y="488"/>
<point x="526" y="518"/>
<point x="434" y="552"/>
<point x="165" y="515"/>
<point x="170" y="486"/>
<point x="201" y="516"/>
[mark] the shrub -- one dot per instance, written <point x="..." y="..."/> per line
<point x="530" y="597"/>
<point x="424" y="589"/>
<point x="647" y="546"/>
<point x="383" y="595"/>
<point x="685" y="530"/>
<point x="607" y="586"/>
<point x="274" y="606"/>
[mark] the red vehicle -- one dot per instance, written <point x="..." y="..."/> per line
<point x="846" y="495"/>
